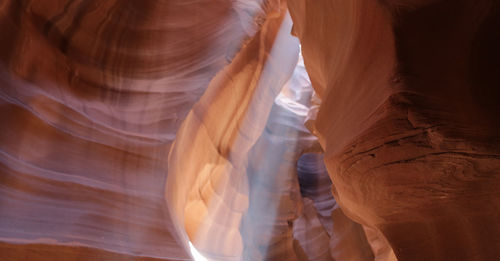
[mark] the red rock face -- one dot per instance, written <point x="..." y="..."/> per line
<point x="130" y="129"/>
<point x="323" y="230"/>
<point x="92" y="94"/>
<point x="407" y="119"/>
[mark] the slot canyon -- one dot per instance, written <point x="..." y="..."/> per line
<point x="228" y="130"/>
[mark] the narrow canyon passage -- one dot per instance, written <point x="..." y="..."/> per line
<point x="274" y="194"/>
<point x="221" y="130"/>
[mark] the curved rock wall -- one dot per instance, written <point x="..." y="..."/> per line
<point x="91" y="96"/>
<point x="323" y="230"/>
<point x="407" y="118"/>
<point x="274" y="197"/>
<point x="207" y="188"/>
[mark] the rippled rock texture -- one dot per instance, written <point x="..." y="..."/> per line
<point x="131" y="130"/>
<point x="207" y="187"/>
<point x="92" y="95"/>
<point x="323" y="230"/>
<point x="409" y="119"/>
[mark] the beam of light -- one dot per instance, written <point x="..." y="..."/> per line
<point x="272" y="167"/>
<point x="272" y="170"/>
<point x="196" y="255"/>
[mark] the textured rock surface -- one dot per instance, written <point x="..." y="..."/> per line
<point x="408" y="118"/>
<point x="324" y="232"/>
<point x="207" y="187"/>
<point x="380" y="247"/>
<point x="92" y="94"/>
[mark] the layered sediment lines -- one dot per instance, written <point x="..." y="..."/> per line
<point x="408" y="119"/>
<point x="322" y="229"/>
<point x="92" y="94"/>
<point x="207" y="188"/>
<point x="94" y="162"/>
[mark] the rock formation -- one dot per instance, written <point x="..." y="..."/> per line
<point x="207" y="184"/>
<point x="92" y="94"/>
<point x="323" y="230"/>
<point x="408" y="118"/>
<point x="138" y="130"/>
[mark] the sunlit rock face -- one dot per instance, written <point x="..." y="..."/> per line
<point x="207" y="187"/>
<point x="274" y="194"/>
<point x="409" y="119"/>
<point x="143" y="130"/>
<point x="91" y="96"/>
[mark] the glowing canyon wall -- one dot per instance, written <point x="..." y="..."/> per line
<point x="92" y="95"/>
<point x="134" y="130"/>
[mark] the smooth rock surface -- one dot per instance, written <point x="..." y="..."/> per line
<point x="92" y="94"/>
<point x="207" y="188"/>
<point x="274" y="194"/>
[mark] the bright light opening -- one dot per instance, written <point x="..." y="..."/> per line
<point x="196" y="255"/>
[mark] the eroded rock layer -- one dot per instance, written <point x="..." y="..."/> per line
<point x="207" y="188"/>
<point x="408" y="118"/>
<point x="92" y="94"/>
<point x="323" y="230"/>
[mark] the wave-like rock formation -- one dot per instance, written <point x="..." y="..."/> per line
<point x="409" y="118"/>
<point x="207" y="187"/>
<point x="92" y="94"/>
<point x="141" y="130"/>
<point x="323" y="230"/>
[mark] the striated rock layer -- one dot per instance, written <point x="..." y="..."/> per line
<point x="323" y="230"/>
<point x="95" y="165"/>
<point x="91" y="96"/>
<point x="207" y="188"/>
<point x="409" y="119"/>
